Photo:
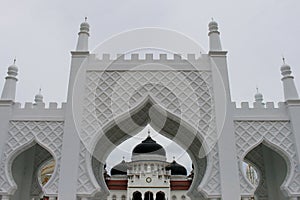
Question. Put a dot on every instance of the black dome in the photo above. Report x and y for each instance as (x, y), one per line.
(119, 169)
(149, 146)
(176, 169)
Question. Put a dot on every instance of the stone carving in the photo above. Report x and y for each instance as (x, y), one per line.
(278, 134)
(23, 134)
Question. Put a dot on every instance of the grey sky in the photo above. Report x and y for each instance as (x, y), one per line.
(256, 34)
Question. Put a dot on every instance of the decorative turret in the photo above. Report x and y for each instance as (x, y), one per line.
(9, 89)
(258, 99)
(214, 37)
(83, 37)
(289, 88)
(39, 97)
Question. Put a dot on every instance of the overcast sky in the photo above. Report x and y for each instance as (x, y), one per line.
(41, 34)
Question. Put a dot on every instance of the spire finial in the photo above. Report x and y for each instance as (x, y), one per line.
(148, 132)
(256, 89)
(85, 19)
(40, 91)
(173, 158)
(15, 59)
(283, 59)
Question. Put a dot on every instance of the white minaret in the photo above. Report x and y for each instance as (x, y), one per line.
(9, 89)
(258, 100)
(83, 37)
(289, 88)
(214, 37)
(38, 97)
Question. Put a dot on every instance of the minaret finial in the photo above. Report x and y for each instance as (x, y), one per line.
(256, 89)
(83, 36)
(40, 91)
(15, 59)
(283, 59)
(9, 89)
(149, 132)
(174, 158)
(289, 87)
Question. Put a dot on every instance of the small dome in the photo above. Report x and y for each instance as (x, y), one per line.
(149, 146)
(120, 169)
(84, 26)
(13, 67)
(213, 23)
(285, 67)
(176, 169)
(213, 26)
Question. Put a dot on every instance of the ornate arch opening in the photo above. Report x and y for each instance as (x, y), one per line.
(160, 196)
(269, 161)
(25, 169)
(162, 122)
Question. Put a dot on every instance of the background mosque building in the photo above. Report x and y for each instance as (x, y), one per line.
(237, 152)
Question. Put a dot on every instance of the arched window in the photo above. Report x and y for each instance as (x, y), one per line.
(123, 197)
(160, 196)
(137, 195)
(114, 197)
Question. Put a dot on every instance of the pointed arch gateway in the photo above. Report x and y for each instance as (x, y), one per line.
(164, 122)
(269, 161)
(25, 165)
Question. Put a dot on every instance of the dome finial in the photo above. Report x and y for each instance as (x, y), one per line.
(85, 19)
(123, 158)
(15, 59)
(283, 59)
(173, 158)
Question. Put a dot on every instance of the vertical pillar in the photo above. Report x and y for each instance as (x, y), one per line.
(71, 141)
(229, 170)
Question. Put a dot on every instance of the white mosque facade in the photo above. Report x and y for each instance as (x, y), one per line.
(59, 152)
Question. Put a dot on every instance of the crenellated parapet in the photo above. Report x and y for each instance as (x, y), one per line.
(149, 62)
(38, 111)
(256, 111)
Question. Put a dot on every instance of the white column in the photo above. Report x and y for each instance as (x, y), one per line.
(229, 170)
(71, 141)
